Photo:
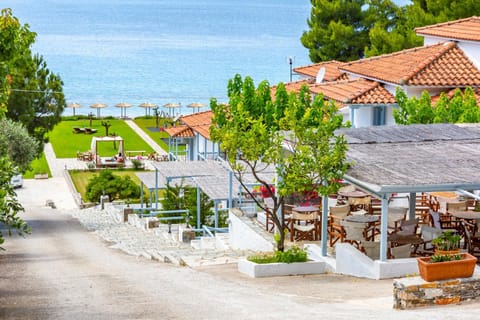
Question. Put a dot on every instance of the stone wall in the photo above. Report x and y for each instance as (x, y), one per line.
(414, 292)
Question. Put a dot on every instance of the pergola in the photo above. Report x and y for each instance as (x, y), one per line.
(411, 159)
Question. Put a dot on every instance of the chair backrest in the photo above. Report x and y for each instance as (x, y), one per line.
(372, 249)
(456, 206)
(401, 251)
(396, 214)
(269, 203)
(347, 188)
(428, 234)
(340, 211)
(435, 215)
(353, 230)
(296, 216)
(409, 227)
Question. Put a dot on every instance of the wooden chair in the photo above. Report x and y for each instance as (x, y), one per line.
(408, 227)
(355, 233)
(395, 216)
(335, 229)
(456, 206)
(304, 226)
(472, 238)
(371, 249)
(399, 252)
(268, 206)
(428, 234)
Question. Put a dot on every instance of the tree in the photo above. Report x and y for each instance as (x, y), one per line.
(352, 29)
(32, 94)
(107, 125)
(183, 197)
(38, 100)
(115, 187)
(9, 205)
(461, 108)
(252, 130)
(16, 144)
(336, 30)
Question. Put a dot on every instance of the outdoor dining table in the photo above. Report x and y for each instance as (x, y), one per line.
(367, 218)
(353, 194)
(305, 209)
(467, 215)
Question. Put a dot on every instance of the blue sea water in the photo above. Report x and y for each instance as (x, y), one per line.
(163, 51)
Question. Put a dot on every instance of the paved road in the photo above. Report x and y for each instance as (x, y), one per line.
(62, 271)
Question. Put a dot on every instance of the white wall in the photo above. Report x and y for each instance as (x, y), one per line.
(242, 237)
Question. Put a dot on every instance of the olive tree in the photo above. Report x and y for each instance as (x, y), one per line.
(293, 132)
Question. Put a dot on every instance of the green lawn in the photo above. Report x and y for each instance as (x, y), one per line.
(145, 123)
(66, 144)
(39, 165)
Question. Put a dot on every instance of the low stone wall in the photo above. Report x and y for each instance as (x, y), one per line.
(414, 292)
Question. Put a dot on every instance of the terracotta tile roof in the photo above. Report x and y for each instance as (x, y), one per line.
(291, 86)
(332, 73)
(452, 92)
(358, 91)
(199, 122)
(442, 64)
(180, 131)
(463, 29)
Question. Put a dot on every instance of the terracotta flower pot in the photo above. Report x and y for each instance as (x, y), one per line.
(447, 252)
(433, 271)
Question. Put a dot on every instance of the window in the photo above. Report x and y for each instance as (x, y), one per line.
(378, 116)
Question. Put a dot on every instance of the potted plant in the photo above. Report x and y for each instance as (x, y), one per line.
(446, 266)
(447, 243)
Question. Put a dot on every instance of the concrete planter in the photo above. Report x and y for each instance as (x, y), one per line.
(41, 176)
(256, 270)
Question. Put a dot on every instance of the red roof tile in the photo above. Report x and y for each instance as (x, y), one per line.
(332, 73)
(180, 131)
(199, 122)
(358, 91)
(442, 64)
(463, 29)
(291, 86)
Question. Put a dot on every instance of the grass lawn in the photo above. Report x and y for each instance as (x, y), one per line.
(81, 178)
(150, 122)
(66, 143)
(39, 165)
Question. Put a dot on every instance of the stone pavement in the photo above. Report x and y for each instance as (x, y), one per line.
(156, 244)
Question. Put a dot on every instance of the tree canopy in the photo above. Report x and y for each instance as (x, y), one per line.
(35, 96)
(348, 30)
(253, 129)
(460, 108)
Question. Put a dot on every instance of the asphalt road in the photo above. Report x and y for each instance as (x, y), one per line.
(62, 271)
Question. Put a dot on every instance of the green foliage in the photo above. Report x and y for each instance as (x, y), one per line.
(15, 143)
(174, 200)
(447, 241)
(112, 185)
(137, 164)
(294, 254)
(445, 257)
(461, 108)
(353, 29)
(9, 205)
(252, 129)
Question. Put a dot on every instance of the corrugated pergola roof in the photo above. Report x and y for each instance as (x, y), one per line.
(415, 158)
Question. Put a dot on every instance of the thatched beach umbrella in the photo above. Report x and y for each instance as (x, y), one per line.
(98, 106)
(197, 105)
(74, 106)
(123, 108)
(148, 106)
(172, 105)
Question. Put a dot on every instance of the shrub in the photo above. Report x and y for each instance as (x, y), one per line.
(137, 164)
(294, 254)
(114, 186)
